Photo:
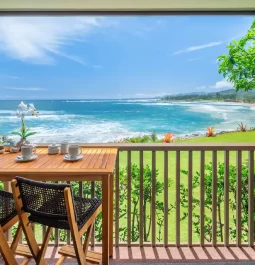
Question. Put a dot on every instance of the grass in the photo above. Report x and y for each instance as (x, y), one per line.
(235, 137)
(238, 137)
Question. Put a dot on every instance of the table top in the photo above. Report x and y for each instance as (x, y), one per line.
(96, 161)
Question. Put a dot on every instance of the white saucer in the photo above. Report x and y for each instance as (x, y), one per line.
(22, 159)
(68, 158)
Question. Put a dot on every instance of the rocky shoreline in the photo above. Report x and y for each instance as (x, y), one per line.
(198, 135)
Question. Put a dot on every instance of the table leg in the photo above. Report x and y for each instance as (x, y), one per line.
(105, 219)
(111, 217)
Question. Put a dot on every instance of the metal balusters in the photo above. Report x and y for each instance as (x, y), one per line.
(226, 198)
(202, 197)
(68, 232)
(129, 200)
(165, 198)
(178, 212)
(190, 199)
(93, 229)
(117, 196)
(153, 200)
(238, 196)
(56, 234)
(214, 198)
(80, 189)
(251, 199)
(141, 221)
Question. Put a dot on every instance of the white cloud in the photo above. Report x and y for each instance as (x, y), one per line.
(26, 88)
(199, 47)
(222, 84)
(37, 39)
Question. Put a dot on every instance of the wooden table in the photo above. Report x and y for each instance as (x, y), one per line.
(97, 165)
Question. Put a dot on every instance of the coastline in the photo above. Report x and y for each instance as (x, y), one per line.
(199, 135)
(210, 101)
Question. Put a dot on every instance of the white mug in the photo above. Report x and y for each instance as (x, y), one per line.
(73, 150)
(27, 151)
(64, 148)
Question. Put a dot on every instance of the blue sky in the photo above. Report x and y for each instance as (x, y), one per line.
(113, 57)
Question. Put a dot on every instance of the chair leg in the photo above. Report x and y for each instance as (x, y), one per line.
(61, 260)
(26, 261)
(6, 252)
(81, 258)
(16, 238)
(40, 260)
(26, 225)
(87, 239)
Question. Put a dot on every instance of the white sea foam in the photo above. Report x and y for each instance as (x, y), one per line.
(6, 112)
(88, 132)
(87, 101)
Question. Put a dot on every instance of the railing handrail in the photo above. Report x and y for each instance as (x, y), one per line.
(171, 146)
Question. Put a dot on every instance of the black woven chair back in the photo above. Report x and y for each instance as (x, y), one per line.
(7, 207)
(43, 199)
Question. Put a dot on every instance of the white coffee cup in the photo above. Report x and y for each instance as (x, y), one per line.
(64, 148)
(74, 150)
(27, 151)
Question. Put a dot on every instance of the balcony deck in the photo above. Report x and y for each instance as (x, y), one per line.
(161, 255)
(172, 231)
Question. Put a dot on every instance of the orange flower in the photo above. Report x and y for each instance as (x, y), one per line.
(168, 138)
(210, 131)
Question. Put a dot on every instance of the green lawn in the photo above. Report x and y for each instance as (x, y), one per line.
(238, 137)
(225, 138)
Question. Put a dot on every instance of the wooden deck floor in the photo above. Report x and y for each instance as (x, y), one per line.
(169, 255)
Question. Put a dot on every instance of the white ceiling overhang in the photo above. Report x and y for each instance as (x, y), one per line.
(128, 5)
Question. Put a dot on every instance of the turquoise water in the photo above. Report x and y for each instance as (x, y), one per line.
(95, 121)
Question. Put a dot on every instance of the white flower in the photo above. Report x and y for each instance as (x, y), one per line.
(24, 110)
(22, 106)
(32, 107)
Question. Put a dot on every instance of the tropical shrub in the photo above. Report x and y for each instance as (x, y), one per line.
(135, 202)
(220, 200)
(168, 138)
(242, 127)
(140, 139)
(5, 139)
(154, 137)
(210, 131)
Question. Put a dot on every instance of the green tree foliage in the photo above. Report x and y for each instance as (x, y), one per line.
(238, 66)
(220, 201)
(209, 96)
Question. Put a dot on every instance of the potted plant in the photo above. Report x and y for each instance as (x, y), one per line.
(24, 131)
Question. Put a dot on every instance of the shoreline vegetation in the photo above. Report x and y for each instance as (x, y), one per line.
(153, 138)
(226, 96)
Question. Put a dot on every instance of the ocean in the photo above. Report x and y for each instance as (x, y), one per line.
(101, 121)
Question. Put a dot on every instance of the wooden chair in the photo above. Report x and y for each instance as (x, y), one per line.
(8, 217)
(54, 205)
